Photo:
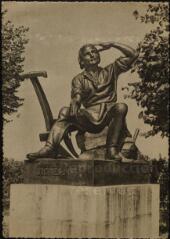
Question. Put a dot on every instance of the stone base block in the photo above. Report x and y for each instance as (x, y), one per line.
(62, 211)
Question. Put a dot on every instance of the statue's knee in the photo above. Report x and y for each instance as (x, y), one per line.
(63, 113)
(121, 108)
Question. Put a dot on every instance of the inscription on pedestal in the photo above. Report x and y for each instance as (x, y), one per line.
(85, 172)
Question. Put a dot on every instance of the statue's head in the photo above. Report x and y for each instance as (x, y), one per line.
(88, 56)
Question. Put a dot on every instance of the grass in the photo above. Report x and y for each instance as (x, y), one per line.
(5, 223)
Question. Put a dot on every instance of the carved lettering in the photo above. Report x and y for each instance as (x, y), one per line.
(51, 171)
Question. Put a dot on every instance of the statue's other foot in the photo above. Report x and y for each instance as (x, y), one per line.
(113, 154)
(45, 152)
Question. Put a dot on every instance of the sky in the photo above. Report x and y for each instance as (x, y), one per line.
(56, 32)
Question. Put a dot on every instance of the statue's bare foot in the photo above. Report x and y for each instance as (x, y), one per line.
(45, 152)
(113, 154)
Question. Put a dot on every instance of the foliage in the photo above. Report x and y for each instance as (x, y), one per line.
(152, 66)
(164, 197)
(160, 175)
(13, 47)
(12, 173)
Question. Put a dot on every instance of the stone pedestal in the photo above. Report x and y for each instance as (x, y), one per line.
(86, 172)
(65, 211)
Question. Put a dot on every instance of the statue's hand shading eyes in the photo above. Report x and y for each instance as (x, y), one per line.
(104, 46)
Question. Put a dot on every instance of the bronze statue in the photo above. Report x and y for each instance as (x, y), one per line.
(93, 102)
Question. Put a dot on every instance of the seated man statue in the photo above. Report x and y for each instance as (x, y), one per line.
(93, 101)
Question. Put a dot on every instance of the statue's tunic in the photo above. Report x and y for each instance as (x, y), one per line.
(102, 89)
(99, 93)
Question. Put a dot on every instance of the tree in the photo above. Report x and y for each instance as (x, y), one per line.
(160, 174)
(13, 172)
(13, 47)
(152, 66)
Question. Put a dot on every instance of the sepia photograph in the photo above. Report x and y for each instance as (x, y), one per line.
(85, 112)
